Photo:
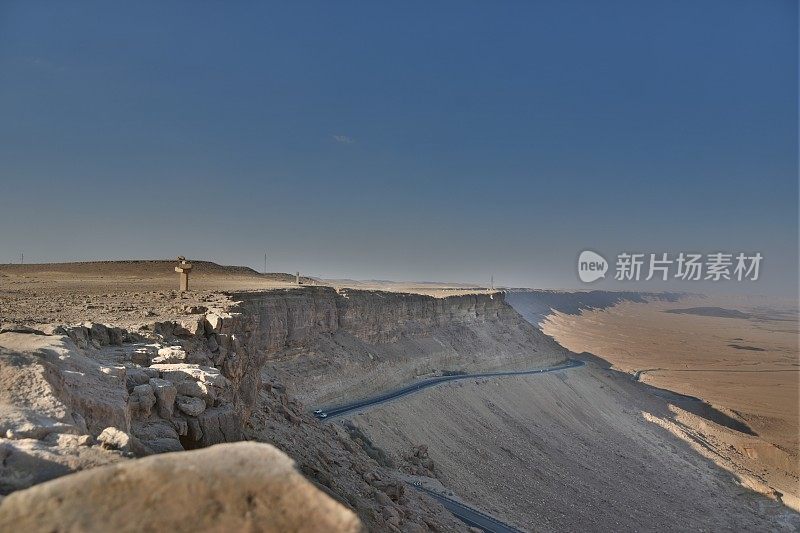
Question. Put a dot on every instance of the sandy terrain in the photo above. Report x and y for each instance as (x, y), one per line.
(569, 452)
(744, 362)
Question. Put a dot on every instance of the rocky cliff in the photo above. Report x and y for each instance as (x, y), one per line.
(193, 382)
(248, 365)
(327, 345)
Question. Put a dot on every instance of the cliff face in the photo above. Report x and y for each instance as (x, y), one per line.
(292, 318)
(328, 345)
(195, 381)
(248, 365)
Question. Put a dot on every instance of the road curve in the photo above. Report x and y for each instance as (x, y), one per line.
(344, 409)
(470, 516)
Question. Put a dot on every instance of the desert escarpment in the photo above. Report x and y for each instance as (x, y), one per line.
(329, 345)
(241, 365)
(193, 381)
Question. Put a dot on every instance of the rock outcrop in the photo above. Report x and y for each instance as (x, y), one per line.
(231, 487)
(92, 394)
(53, 402)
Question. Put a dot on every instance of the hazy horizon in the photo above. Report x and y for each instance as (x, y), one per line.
(365, 141)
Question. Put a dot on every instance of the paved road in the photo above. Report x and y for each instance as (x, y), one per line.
(470, 516)
(342, 410)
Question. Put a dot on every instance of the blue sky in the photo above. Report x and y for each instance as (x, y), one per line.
(422, 140)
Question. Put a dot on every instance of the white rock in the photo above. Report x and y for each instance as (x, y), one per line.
(170, 354)
(179, 372)
(112, 438)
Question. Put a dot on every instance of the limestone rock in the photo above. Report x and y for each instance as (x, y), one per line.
(142, 400)
(180, 372)
(113, 439)
(165, 393)
(142, 356)
(197, 389)
(170, 354)
(26, 462)
(99, 333)
(135, 377)
(214, 321)
(45, 381)
(158, 435)
(233, 487)
(194, 327)
(191, 406)
(218, 425)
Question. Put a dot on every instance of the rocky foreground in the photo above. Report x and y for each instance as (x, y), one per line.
(232, 487)
(112, 398)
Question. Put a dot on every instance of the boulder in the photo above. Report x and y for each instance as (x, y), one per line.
(197, 389)
(28, 462)
(195, 432)
(158, 435)
(99, 333)
(190, 405)
(170, 354)
(194, 326)
(134, 377)
(114, 439)
(117, 336)
(218, 425)
(212, 344)
(79, 335)
(165, 393)
(47, 375)
(180, 372)
(142, 400)
(142, 356)
(181, 426)
(234, 487)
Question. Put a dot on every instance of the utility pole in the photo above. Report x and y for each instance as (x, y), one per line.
(265, 262)
(22, 258)
(492, 281)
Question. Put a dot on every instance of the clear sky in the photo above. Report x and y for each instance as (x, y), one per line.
(400, 140)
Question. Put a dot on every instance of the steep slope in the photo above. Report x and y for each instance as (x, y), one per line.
(240, 368)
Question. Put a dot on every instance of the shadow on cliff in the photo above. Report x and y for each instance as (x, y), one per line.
(692, 404)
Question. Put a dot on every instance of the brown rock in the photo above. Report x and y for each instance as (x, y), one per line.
(232, 487)
(165, 393)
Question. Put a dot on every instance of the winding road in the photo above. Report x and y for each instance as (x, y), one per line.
(468, 515)
(345, 409)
